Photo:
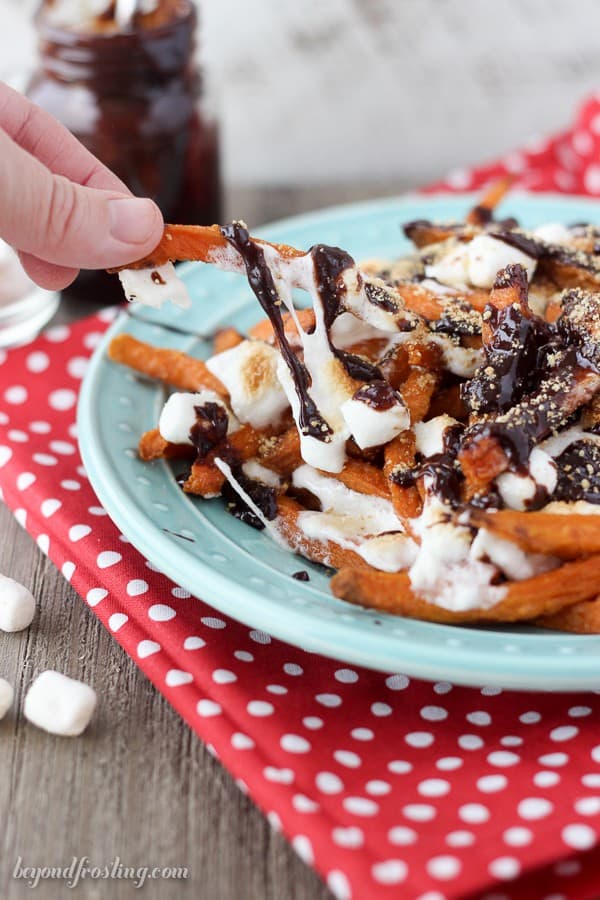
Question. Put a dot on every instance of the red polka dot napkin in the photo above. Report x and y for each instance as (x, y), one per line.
(390, 787)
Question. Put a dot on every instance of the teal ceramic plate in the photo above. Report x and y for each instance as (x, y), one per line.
(239, 570)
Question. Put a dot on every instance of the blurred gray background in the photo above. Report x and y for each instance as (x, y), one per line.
(378, 90)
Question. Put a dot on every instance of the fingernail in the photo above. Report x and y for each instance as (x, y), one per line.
(132, 221)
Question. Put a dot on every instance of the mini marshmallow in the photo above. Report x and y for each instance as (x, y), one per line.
(430, 435)
(179, 415)
(249, 372)
(487, 256)
(553, 233)
(6, 696)
(372, 427)
(59, 704)
(154, 286)
(17, 605)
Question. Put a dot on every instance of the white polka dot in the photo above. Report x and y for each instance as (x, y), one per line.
(92, 339)
(434, 713)
(279, 776)
(587, 806)
(303, 848)
(397, 682)
(240, 741)
(362, 734)
(177, 677)
(419, 812)
(293, 743)
(347, 758)
(293, 669)
(17, 436)
(491, 691)
(583, 142)
(16, 395)
(505, 868)
(57, 334)
(43, 542)
(77, 366)
(530, 718)
(553, 759)
(377, 788)
(303, 804)
(442, 687)
(473, 813)
(25, 479)
(546, 779)
(37, 362)
(63, 448)
(44, 459)
(391, 871)
(329, 783)
(479, 718)
(159, 612)
(21, 516)
(313, 723)
(208, 708)
(489, 784)
(116, 621)
(5, 455)
(460, 179)
(351, 837)
(449, 763)
(40, 427)
(460, 838)
(591, 780)
(433, 787)
(360, 806)
(62, 399)
(329, 700)
(517, 836)
(260, 637)
(244, 656)
(399, 766)
(95, 595)
(564, 733)
(224, 676)
(69, 485)
(260, 708)
(419, 739)
(107, 558)
(579, 837)
(338, 885)
(346, 676)
(193, 642)
(180, 593)
(444, 868)
(277, 689)
(147, 648)
(402, 836)
(567, 868)
(533, 808)
(470, 742)
(577, 712)
(212, 622)
(503, 758)
(591, 179)
(136, 587)
(381, 709)
(49, 507)
(68, 570)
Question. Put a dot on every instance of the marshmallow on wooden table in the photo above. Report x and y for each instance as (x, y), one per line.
(59, 704)
(6, 697)
(17, 605)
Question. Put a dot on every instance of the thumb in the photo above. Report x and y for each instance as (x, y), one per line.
(61, 222)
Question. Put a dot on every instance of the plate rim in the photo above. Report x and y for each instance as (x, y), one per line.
(290, 625)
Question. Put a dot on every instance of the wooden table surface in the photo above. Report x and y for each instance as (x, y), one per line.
(138, 784)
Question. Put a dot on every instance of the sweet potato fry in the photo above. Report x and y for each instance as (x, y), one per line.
(364, 478)
(204, 243)
(326, 552)
(399, 456)
(152, 445)
(544, 594)
(481, 461)
(263, 330)
(448, 401)
(205, 479)
(417, 391)
(423, 233)
(171, 366)
(567, 537)
(226, 339)
(581, 618)
(482, 214)
(281, 454)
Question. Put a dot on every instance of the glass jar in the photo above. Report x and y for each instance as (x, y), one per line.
(135, 98)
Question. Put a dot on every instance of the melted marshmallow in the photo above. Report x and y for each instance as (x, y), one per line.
(477, 262)
(518, 490)
(553, 233)
(429, 436)
(372, 427)
(179, 415)
(153, 287)
(249, 372)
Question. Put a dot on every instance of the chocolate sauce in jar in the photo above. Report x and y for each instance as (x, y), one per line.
(135, 98)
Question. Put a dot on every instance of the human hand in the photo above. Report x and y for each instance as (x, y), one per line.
(59, 206)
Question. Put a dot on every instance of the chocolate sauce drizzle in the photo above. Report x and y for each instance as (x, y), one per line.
(209, 429)
(262, 495)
